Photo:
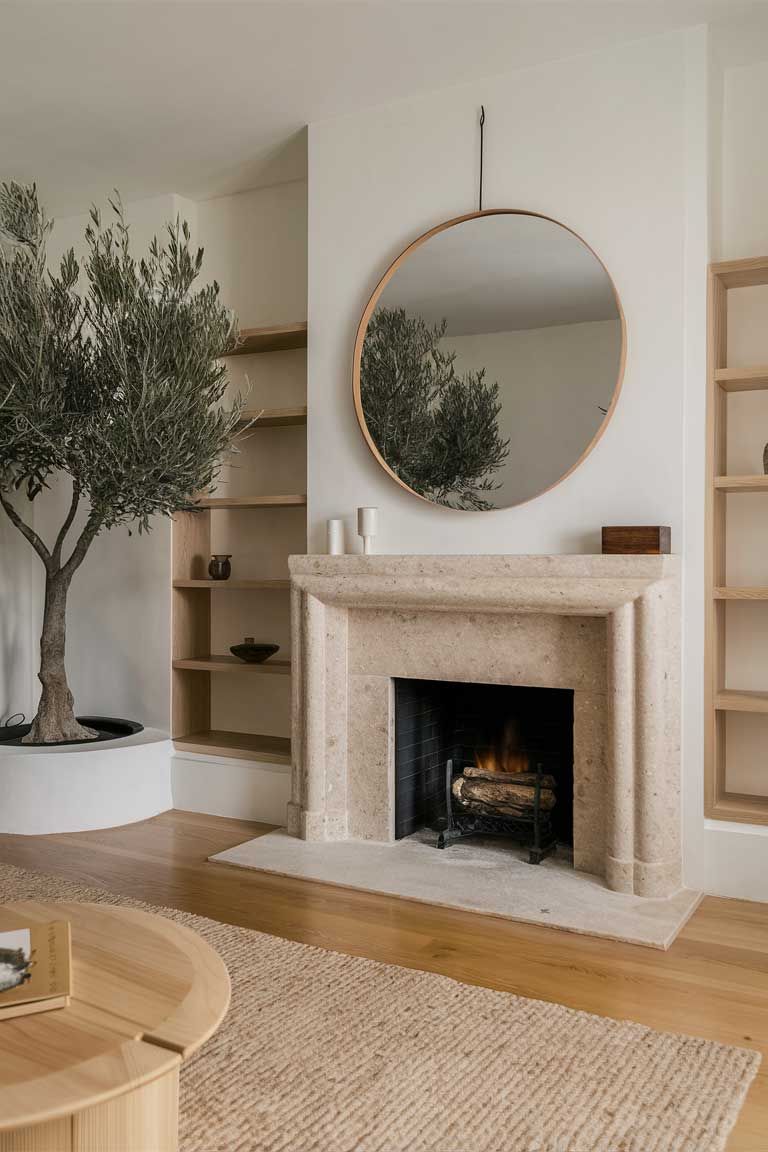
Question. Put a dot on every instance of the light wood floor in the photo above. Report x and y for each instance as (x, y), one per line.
(713, 982)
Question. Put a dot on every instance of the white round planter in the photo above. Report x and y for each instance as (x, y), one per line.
(78, 787)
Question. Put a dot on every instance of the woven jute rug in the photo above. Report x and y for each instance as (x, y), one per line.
(322, 1052)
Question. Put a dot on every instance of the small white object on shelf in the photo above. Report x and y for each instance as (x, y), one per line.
(367, 522)
(335, 537)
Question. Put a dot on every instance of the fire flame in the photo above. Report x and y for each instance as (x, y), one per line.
(505, 755)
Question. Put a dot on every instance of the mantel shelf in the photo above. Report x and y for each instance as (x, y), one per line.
(224, 663)
(742, 379)
(741, 483)
(275, 338)
(730, 700)
(274, 417)
(293, 501)
(234, 585)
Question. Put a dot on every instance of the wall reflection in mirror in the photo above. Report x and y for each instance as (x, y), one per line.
(490, 360)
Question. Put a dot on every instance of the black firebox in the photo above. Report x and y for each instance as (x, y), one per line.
(442, 727)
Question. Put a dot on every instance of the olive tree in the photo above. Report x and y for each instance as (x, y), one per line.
(108, 375)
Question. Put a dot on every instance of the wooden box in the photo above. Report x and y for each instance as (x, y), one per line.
(638, 540)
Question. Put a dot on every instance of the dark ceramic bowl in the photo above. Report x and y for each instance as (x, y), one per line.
(253, 653)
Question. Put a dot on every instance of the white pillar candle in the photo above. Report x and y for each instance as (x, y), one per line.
(335, 537)
(366, 527)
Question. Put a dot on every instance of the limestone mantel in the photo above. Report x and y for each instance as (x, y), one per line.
(606, 626)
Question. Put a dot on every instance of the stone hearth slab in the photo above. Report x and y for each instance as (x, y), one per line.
(477, 877)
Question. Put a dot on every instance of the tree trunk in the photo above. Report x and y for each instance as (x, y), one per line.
(55, 720)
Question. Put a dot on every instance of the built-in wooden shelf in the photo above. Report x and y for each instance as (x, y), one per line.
(293, 501)
(742, 379)
(733, 700)
(750, 273)
(234, 585)
(197, 698)
(274, 417)
(741, 483)
(719, 702)
(740, 808)
(276, 338)
(239, 745)
(223, 663)
(741, 593)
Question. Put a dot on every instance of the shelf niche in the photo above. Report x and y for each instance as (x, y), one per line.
(721, 702)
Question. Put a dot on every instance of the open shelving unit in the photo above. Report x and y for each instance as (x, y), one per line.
(720, 801)
(201, 671)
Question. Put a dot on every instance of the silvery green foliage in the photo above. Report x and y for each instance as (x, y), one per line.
(108, 367)
(437, 431)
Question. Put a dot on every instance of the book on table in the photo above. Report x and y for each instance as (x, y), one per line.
(35, 968)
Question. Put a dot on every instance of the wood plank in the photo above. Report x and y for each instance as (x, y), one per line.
(251, 501)
(240, 745)
(274, 338)
(224, 663)
(742, 483)
(742, 379)
(741, 809)
(748, 273)
(711, 982)
(732, 700)
(274, 417)
(234, 585)
(727, 593)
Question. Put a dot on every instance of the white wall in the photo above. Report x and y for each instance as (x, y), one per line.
(552, 383)
(599, 148)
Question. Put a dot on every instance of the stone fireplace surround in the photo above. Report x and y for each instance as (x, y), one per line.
(607, 627)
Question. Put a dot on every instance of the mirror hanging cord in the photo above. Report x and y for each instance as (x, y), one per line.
(482, 124)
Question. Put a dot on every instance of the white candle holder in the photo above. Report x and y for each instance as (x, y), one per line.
(367, 523)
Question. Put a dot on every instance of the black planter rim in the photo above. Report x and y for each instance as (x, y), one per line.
(108, 727)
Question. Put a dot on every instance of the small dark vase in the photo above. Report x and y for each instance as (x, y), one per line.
(220, 567)
(253, 653)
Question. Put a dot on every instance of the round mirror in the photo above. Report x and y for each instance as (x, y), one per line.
(488, 360)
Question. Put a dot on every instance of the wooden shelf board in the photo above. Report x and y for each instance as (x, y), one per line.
(274, 417)
(234, 585)
(741, 593)
(223, 663)
(741, 483)
(293, 501)
(742, 379)
(740, 809)
(240, 745)
(747, 273)
(732, 700)
(275, 338)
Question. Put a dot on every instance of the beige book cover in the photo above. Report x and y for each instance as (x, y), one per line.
(35, 968)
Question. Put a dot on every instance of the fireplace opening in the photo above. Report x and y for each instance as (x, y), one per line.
(484, 759)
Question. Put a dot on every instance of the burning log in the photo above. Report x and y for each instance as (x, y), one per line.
(528, 778)
(502, 795)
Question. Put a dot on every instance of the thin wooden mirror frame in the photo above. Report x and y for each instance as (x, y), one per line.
(362, 328)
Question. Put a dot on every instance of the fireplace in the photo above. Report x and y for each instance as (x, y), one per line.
(484, 760)
(604, 630)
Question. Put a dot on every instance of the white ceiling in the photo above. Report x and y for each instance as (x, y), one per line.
(204, 97)
(502, 273)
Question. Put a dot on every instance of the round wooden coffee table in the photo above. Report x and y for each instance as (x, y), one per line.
(102, 1075)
